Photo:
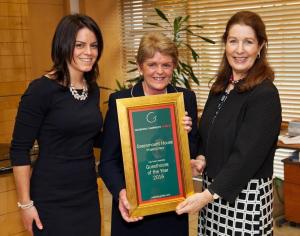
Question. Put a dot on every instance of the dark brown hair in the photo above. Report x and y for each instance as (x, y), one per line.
(260, 70)
(63, 44)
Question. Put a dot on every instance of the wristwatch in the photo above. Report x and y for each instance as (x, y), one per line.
(215, 196)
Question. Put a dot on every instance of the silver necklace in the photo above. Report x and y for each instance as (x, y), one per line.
(78, 96)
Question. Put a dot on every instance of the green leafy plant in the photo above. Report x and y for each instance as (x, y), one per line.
(179, 28)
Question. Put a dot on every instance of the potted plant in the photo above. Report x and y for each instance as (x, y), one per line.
(179, 29)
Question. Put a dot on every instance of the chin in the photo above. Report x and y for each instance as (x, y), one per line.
(86, 69)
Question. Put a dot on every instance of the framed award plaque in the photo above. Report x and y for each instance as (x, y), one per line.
(155, 152)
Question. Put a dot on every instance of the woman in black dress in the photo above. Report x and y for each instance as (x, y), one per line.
(157, 58)
(239, 128)
(61, 111)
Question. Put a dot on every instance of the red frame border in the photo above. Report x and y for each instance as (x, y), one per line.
(175, 145)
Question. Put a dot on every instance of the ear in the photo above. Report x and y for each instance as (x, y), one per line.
(261, 46)
(140, 68)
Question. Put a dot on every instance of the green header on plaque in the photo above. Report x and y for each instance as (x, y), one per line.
(155, 153)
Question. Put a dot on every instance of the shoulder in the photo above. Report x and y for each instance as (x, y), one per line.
(42, 87)
(43, 84)
(120, 94)
(264, 97)
(266, 89)
(186, 92)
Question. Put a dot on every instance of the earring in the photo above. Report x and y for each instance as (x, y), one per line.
(258, 55)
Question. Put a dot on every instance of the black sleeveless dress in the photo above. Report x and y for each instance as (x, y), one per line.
(64, 181)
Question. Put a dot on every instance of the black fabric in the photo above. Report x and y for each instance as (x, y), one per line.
(111, 170)
(240, 144)
(64, 182)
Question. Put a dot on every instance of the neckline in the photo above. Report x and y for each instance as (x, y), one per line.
(234, 82)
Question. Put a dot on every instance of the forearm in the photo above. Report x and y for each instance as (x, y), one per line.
(22, 181)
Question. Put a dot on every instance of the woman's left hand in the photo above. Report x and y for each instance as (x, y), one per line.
(194, 203)
(187, 122)
(124, 207)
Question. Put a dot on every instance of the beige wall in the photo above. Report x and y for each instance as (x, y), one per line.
(26, 29)
(44, 15)
(14, 61)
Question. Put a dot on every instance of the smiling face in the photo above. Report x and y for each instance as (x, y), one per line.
(157, 72)
(85, 52)
(241, 49)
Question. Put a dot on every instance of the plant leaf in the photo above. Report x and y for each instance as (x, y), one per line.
(161, 15)
(199, 36)
(189, 71)
(154, 24)
(118, 84)
(132, 70)
(194, 53)
(186, 18)
(186, 83)
(132, 62)
(206, 39)
(176, 24)
(198, 26)
(194, 77)
(133, 80)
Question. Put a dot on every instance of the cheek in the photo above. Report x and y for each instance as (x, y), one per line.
(96, 53)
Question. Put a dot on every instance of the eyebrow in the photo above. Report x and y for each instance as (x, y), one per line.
(78, 41)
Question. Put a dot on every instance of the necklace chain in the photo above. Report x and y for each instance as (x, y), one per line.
(234, 82)
(83, 96)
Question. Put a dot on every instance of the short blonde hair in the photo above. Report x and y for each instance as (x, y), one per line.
(156, 42)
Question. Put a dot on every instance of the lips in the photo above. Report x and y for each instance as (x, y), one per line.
(87, 60)
(240, 59)
(158, 78)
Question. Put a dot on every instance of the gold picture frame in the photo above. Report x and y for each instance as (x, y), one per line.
(155, 152)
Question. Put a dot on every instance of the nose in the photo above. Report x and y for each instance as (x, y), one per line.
(240, 47)
(88, 50)
(159, 69)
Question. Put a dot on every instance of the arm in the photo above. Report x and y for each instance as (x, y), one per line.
(256, 138)
(201, 143)
(191, 109)
(198, 162)
(111, 163)
(254, 144)
(32, 108)
(198, 165)
(98, 139)
(22, 179)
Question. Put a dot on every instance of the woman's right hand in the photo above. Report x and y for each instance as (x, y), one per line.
(28, 216)
(124, 207)
(194, 203)
(198, 164)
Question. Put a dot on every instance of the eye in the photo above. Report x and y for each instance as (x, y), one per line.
(249, 41)
(232, 41)
(151, 65)
(167, 65)
(95, 45)
(79, 45)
